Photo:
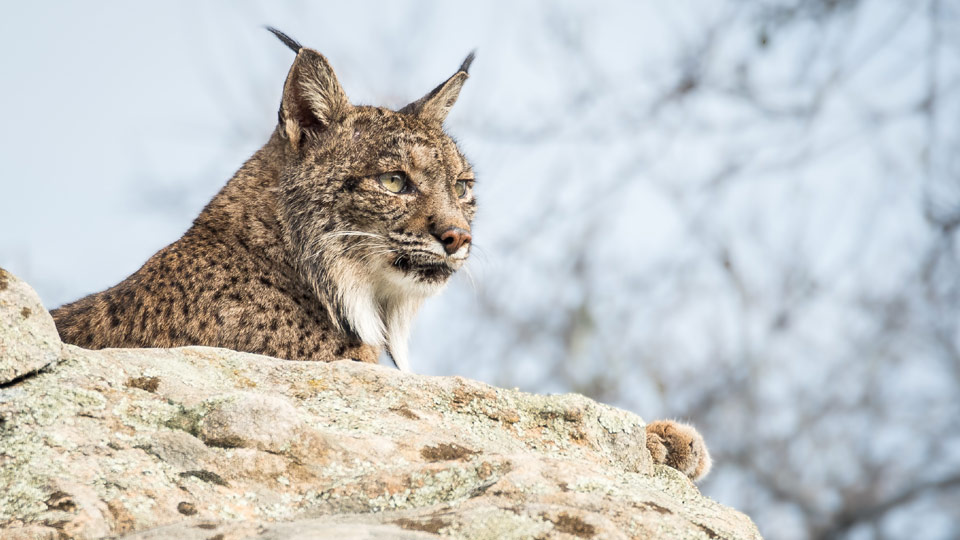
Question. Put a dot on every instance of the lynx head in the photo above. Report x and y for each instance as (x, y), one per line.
(376, 204)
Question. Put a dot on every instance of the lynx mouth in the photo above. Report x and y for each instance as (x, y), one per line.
(433, 270)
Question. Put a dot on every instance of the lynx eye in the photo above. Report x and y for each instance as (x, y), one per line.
(461, 187)
(394, 182)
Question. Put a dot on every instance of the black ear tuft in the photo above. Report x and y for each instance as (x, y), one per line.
(465, 66)
(435, 105)
(289, 41)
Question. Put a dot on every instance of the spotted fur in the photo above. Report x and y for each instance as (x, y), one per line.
(304, 254)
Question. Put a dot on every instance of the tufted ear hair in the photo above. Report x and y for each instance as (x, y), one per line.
(312, 97)
(436, 105)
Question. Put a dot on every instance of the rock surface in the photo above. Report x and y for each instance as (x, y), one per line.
(28, 337)
(214, 444)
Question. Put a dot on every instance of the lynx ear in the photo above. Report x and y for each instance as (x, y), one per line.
(437, 104)
(312, 96)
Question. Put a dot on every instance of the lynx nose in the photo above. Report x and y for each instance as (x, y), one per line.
(453, 239)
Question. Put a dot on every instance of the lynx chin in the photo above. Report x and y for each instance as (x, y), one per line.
(321, 247)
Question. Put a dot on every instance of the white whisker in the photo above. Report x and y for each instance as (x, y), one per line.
(374, 253)
(352, 233)
(473, 284)
(480, 251)
(329, 237)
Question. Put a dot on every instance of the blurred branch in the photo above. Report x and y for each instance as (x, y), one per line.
(870, 511)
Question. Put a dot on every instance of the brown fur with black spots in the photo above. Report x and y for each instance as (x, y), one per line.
(321, 247)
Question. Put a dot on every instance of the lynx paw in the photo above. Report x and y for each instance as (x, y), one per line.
(679, 446)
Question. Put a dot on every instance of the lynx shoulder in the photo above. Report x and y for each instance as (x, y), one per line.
(322, 246)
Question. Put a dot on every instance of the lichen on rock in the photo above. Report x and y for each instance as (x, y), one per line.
(28, 337)
(199, 442)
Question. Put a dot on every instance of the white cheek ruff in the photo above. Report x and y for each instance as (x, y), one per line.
(362, 311)
(380, 306)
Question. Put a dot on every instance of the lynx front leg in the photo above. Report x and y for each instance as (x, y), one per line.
(679, 446)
